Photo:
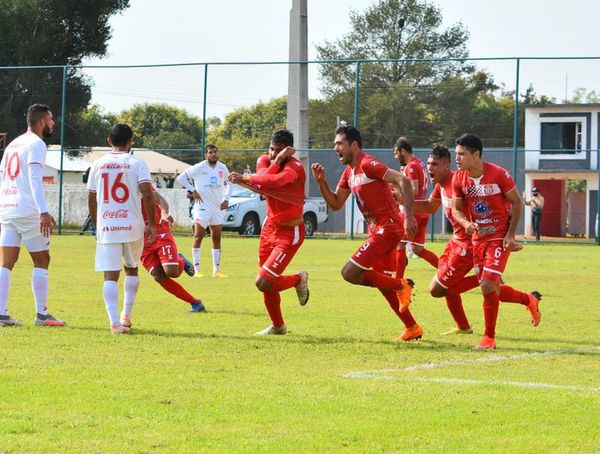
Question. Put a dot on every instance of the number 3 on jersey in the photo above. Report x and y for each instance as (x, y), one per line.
(118, 191)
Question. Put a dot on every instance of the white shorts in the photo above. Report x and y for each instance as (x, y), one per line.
(27, 230)
(207, 216)
(109, 255)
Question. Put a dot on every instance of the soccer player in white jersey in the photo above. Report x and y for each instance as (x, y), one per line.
(116, 182)
(207, 181)
(24, 215)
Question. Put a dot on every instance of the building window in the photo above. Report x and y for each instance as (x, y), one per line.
(561, 138)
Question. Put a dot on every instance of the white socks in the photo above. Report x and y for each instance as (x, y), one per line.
(39, 286)
(111, 301)
(131, 285)
(4, 289)
(196, 259)
(216, 256)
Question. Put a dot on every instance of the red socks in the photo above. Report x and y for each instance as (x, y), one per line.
(381, 281)
(490, 312)
(177, 290)
(392, 299)
(284, 282)
(401, 262)
(454, 303)
(429, 257)
(511, 295)
(272, 302)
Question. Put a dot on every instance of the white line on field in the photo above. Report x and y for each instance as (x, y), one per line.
(380, 373)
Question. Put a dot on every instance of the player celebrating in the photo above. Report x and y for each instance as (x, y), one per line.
(161, 259)
(209, 182)
(369, 180)
(415, 170)
(24, 215)
(283, 231)
(117, 181)
(457, 259)
(482, 194)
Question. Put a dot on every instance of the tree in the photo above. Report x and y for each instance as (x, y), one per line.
(89, 128)
(42, 32)
(395, 29)
(581, 95)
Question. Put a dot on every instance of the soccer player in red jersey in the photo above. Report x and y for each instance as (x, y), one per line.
(162, 260)
(369, 180)
(457, 259)
(282, 234)
(488, 206)
(415, 170)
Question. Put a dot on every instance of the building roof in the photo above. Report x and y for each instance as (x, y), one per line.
(157, 162)
(593, 105)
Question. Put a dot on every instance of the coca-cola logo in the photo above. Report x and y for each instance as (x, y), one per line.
(116, 214)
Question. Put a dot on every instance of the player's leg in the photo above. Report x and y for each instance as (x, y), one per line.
(131, 283)
(531, 301)
(10, 246)
(199, 232)
(401, 259)
(108, 261)
(215, 234)
(418, 243)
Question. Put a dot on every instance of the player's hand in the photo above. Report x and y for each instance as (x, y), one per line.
(151, 234)
(397, 193)
(165, 216)
(318, 172)
(196, 196)
(225, 204)
(284, 155)
(410, 226)
(511, 245)
(471, 228)
(236, 178)
(47, 222)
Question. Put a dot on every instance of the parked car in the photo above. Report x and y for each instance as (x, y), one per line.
(247, 211)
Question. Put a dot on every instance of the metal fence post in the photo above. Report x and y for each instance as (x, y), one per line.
(63, 116)
(516, 121)
(203, 142)
(355, 121)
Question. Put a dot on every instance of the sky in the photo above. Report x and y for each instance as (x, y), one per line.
(186, 31)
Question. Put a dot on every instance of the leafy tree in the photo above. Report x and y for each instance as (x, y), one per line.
(581, 95)
(42, 32)
(89, 127)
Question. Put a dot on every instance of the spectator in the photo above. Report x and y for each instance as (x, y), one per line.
(536, 202)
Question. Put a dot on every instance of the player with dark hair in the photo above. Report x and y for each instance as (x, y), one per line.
(369, 180)
(487, 205)
(415, 170)
(282, 234)
(24, 214)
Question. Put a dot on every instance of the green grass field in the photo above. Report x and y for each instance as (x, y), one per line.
(337, 382)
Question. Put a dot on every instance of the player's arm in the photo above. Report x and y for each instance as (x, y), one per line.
(93, 206)
(35, 163)
(164, 208)
(335, 200)
(185, 179)
(459, 216)
(405, 185)
(228, 191)
(271, 180)
(148, 202)
(515, 216)
(427, 206)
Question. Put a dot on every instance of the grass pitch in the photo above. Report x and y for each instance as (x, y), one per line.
(337, 382)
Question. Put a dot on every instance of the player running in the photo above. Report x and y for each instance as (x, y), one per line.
(116, 183)
(368, 179)
(282, 183)
(24, 214)
(488, 206)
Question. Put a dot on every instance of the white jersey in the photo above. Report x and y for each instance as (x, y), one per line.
(210, 182)
(115, 178)
(16, 194)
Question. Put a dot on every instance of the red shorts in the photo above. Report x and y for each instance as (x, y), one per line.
(490, 259)
(422, 222)
(454, 264)
(162, 252)
(379, 251)
(277, 247)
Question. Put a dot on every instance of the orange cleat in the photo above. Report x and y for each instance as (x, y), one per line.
(119, 329)
(534, 307)
(405, 294)
(47, 320)
(413, 333)
(487, 343)
(126, 320)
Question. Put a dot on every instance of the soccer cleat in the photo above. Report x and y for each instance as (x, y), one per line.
(405, 294)
(534, 307)
(487, 343)
(188, 266)
(119, 329)
(197, 307)
(48, 320)
(7, 320)
(457, 330)
(198, 274)
(272, 330)
(413, 333)
(302, 288)
(126, 320)
(218, 274)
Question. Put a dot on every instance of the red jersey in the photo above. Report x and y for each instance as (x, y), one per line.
(373, 195)
(444, 193)
(485, 202)
(416, 170)
(283, 186)
(161, 226)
